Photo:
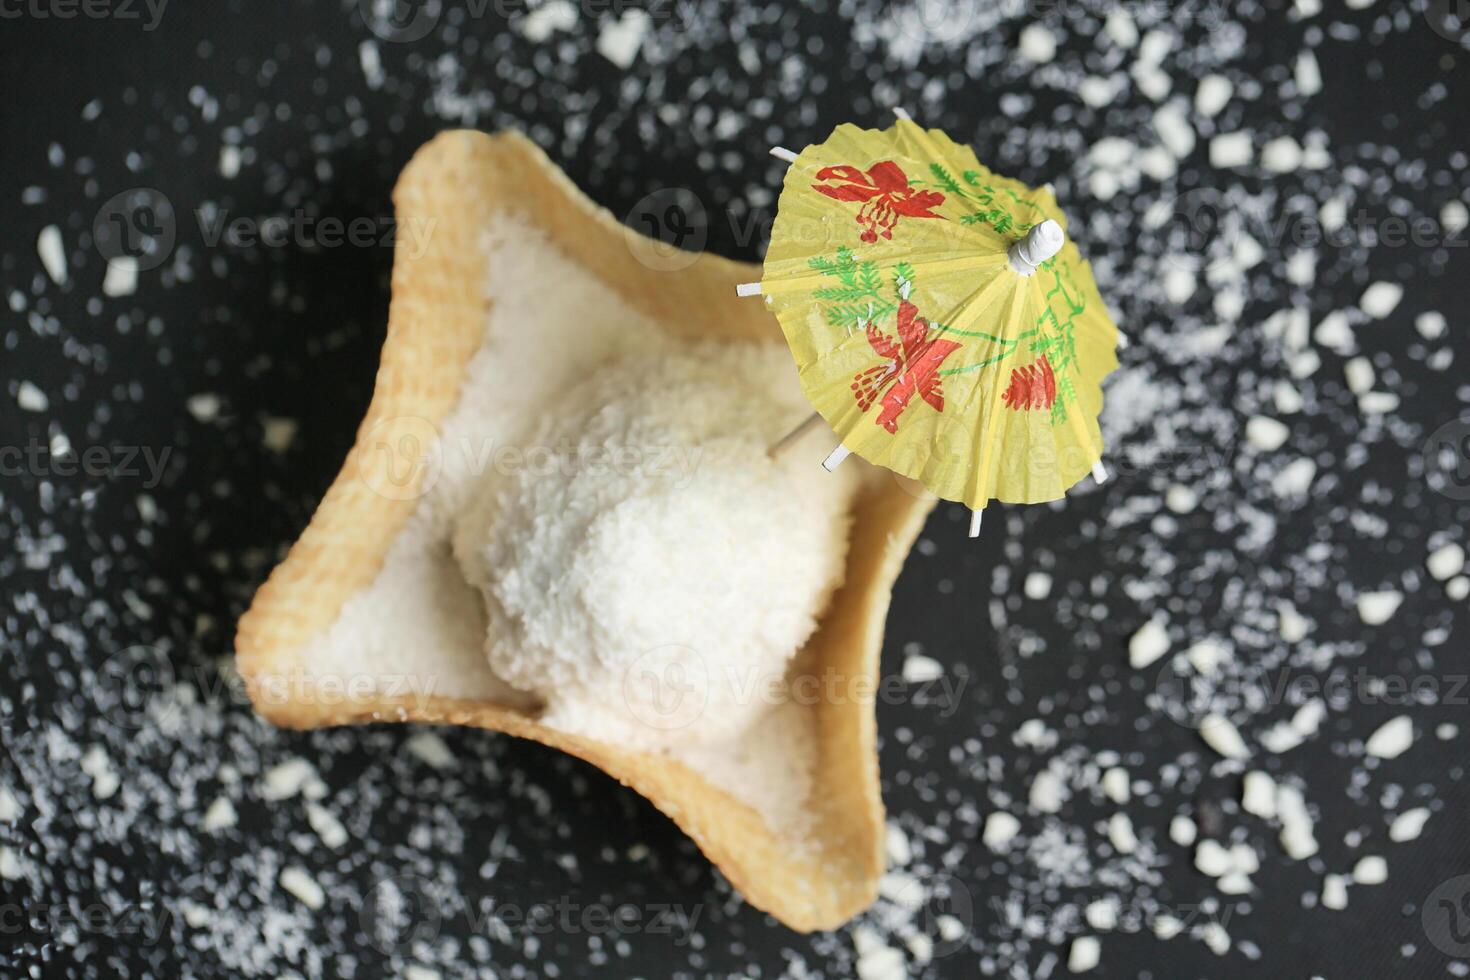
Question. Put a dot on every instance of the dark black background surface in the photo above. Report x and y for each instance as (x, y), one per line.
(294, 332)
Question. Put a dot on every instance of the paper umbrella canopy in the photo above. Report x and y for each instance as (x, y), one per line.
(941, 321)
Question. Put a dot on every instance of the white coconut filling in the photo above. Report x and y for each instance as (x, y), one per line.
(706, 563)
(651, 570)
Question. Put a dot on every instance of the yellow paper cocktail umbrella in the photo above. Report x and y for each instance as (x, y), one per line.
(941, 321)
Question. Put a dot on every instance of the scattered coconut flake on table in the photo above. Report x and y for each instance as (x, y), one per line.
(1038, 44)
(1370, 870)
(1000, 829)
(30, 398)
(539, 24)
(1431, 325)
(53, 254)
(121, 277)
(1446, 562)
(1266, 434)
(431, 749)
(1408, 825)
(1213, 92)
(1392, 739)
(302, 885)
(1334, 892)
(219, 816)
(326, 825)
(1259, 795)
(204, 407)
(1381, 299)
(1220, 735)
(1231, 150)
(622, 38)
(290, 778)
(277, 434)
(1377, 608)
(1298, 829)
(1085, 954)
(1147, 645)
(919, 669)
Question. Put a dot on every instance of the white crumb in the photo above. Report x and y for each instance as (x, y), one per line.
(1334, 892)
(53, 254)
(1265, 433)
(1084, 955)
(1258, 795)
(30, 398)
(1446, 562)
(1377, 608)
(1371, 869)
(326, 825)
(431, 749)
(121, 277)
(1222, 736)
(219, 816)
(1230, 150)
(1000, 829)
(1408, 825)
(1381, 299)
(1147, 645)
(1392, 739)
(620, 40)
(204, 407)
(920, 669)
(302, 885)
(1038, 43)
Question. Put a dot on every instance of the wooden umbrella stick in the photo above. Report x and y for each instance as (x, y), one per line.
(786, 441)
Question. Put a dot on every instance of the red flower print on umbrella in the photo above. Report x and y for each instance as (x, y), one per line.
(1032, 386)
(910, 367)
(885, 193)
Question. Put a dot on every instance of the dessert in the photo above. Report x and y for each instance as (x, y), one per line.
(379, 612)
